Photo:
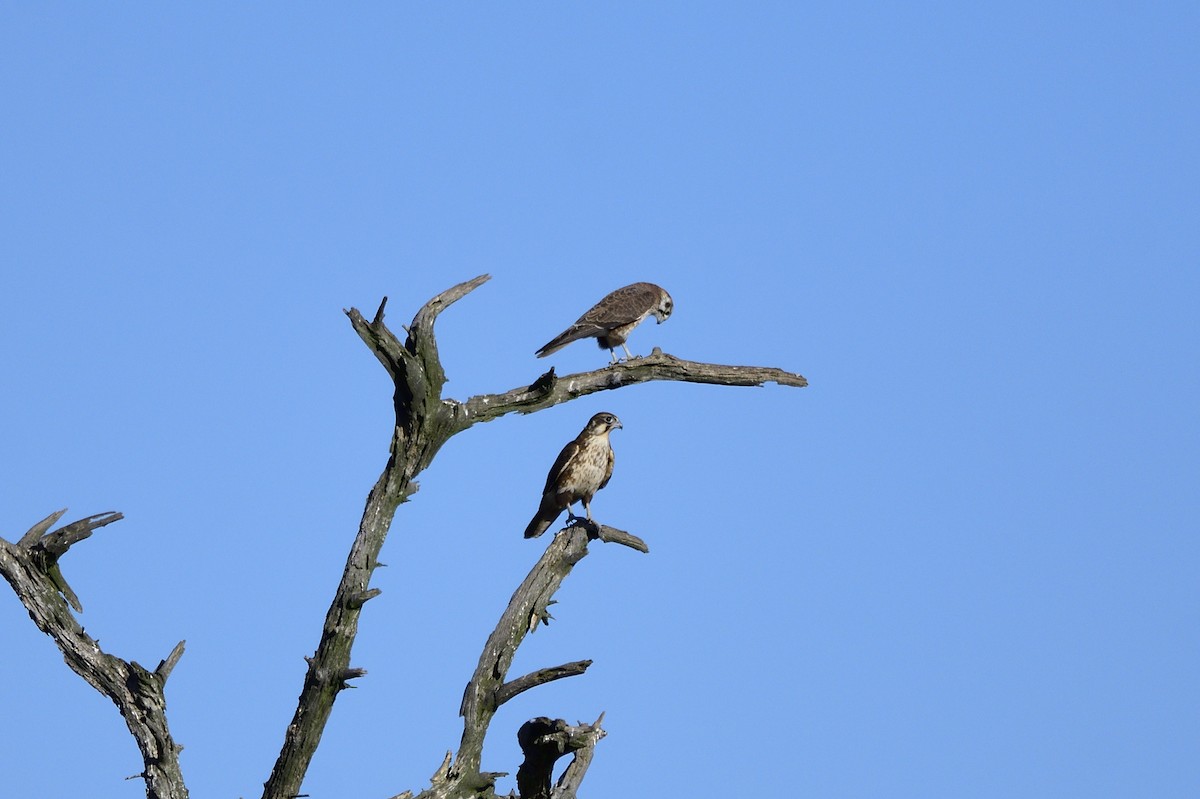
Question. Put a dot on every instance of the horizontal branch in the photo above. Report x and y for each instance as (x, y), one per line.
(611, 535)
(550, 389)
(540, 677)
(58, 542)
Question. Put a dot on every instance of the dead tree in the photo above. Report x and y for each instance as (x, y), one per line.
(425, 420)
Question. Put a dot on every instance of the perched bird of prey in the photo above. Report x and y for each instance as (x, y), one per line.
(583, 468)
(611, 320)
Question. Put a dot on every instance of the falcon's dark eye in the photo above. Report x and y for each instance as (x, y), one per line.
(608, 420)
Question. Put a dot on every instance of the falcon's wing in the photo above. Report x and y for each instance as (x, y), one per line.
(623, 306)
(560, 466)
(608, 470)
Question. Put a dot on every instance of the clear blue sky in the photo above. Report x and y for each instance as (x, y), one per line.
(962, 563)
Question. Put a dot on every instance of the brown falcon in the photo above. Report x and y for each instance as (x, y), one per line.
(611, 320)
(583, 468)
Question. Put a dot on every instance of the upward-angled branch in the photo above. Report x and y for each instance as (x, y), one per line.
(31, 568)
(425, 420)
(526, 608)
(417, 436)
(488, 689)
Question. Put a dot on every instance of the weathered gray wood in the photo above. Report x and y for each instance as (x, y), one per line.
(31, 568)
(485, 691)
(584, 747)
(35, 533)
(549, 389)
(540, 677)
(418, 434)
(543, 741)
(425, 420)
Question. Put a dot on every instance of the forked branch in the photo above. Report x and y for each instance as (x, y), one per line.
(425, 420)
(488, 690)
(544, 741)
(32, 569)
(418, 434)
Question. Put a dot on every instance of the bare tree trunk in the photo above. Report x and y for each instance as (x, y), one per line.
(425, 420)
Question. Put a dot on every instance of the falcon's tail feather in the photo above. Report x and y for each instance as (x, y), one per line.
(553, 346)
(539, 525)
(572, 333)
(542, 520)
(558, 342)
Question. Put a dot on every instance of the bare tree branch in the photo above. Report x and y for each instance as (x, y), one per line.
(36, 532)
(31, 568)
(62, 539)
(167, 665)
(581, 740)
(611, 535)
(549, 389)
(544, 741)
(425, 420)
(486, 689)
(540, 677)
(419, 433)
